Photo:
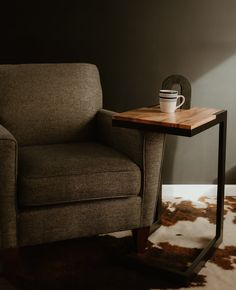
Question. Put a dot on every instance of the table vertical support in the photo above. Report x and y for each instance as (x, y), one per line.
(221, 178)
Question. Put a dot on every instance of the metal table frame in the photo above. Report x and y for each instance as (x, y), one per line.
(203, 256)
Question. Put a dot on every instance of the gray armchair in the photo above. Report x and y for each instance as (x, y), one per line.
(65, 172)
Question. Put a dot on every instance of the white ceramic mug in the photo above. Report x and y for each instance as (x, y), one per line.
(168, 100)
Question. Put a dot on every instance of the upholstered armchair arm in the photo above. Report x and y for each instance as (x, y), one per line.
(145, 149)
(127, 141)
(8, 172)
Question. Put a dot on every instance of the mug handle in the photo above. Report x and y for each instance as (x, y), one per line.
(182, 97)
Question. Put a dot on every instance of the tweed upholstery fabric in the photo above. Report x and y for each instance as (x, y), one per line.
(69, 185)
(60, 173)
(49, 103)
(153, 151)
(47, 224)
(144, 148)
(8, 168)
(127, 141)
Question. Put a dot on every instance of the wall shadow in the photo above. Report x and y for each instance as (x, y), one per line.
(134, 45)
(230, 177)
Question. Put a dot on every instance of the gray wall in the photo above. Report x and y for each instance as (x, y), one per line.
(148, 41)
(200, 43)
(136, 44)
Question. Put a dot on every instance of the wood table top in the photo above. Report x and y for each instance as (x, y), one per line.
(182, 119)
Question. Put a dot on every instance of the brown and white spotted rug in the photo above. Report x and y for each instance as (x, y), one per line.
(101, 262)
(188, 225)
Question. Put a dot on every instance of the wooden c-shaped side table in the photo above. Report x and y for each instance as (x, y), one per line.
(185, 123)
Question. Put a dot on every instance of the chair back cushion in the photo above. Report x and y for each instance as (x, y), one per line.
(49, 103)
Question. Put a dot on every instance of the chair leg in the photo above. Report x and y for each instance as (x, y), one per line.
(140, 238)
(1, 263)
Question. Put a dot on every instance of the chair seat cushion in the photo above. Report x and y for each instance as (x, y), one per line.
(62, 173)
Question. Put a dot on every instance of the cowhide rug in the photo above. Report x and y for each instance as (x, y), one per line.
(101, 262)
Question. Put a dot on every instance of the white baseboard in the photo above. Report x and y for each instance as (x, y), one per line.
(196, 190)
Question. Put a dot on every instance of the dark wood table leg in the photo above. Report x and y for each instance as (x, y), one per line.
(1, 262)
(140, 238)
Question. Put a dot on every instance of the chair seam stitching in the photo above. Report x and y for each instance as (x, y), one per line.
(86, 174)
